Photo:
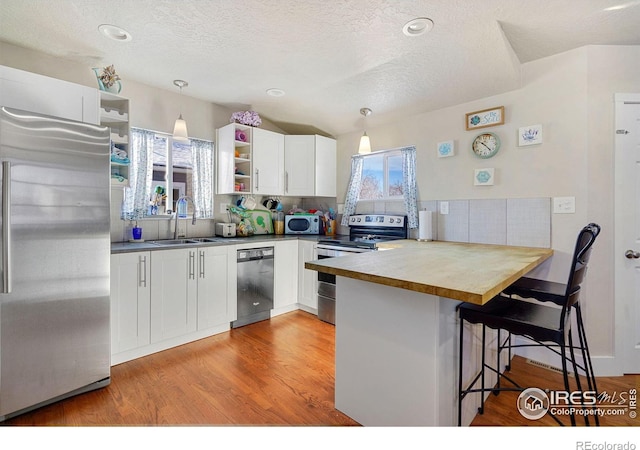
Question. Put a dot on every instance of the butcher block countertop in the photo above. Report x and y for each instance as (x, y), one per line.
(473, 273)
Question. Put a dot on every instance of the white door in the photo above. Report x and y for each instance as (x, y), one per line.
(627, 231)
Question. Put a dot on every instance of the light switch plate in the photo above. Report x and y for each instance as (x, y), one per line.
(564, 205)
(444, 207)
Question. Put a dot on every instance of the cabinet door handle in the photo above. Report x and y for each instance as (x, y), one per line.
(142, 271)
(201, 263)
(192, 260)
(257, 179)
(286, 182)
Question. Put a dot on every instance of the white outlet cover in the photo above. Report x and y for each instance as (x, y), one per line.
(444, 207)
(564, 205)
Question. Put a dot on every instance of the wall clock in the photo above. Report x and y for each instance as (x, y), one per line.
(486, 145)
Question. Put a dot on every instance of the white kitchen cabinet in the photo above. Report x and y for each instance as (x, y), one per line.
(130, 302)
(233, 159)
(285, 276)
(114, 113)
(173, 293)
(45, 95)
(307, 279)
(268, 162)
(310, 166)
(217, 286)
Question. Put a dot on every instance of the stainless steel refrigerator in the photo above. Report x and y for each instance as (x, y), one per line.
(55, 250)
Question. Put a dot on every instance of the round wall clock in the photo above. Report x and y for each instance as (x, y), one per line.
(486, 145)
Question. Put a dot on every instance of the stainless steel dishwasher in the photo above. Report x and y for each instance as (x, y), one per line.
(255, 285)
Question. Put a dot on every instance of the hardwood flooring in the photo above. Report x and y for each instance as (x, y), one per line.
(275, 372)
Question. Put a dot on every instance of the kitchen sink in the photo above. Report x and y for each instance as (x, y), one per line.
(175, 242)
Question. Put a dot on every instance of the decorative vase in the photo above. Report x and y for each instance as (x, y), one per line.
(115, 88)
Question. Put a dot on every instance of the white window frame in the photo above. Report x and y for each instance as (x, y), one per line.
(385, 154)
(168, 182)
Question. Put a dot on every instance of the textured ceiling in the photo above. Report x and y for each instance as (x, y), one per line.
(331, 57)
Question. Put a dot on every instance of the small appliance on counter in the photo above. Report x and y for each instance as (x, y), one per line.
(226, 229)
(301, 224)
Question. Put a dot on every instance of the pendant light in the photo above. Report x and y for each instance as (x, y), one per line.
(180, 128)
(365, 142)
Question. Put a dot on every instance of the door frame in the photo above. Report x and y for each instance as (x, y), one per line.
(625, 292)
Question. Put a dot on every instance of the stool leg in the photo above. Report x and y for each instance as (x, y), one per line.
(586, 357)
(565, 376)
(484, 333)
(460, 358)
(577, 376)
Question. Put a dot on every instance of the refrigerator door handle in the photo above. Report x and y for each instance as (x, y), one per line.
(6, 227)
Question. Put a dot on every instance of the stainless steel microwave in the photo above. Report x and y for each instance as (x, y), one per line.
(301, 224)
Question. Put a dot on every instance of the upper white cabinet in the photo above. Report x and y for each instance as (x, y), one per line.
(114, 113)
(45, 95)
(310, 166)
(268, 162)
(264, 162)
(233, 159)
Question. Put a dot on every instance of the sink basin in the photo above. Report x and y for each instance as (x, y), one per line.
(175, 242)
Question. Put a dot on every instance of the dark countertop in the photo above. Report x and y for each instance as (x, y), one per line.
(127, 247)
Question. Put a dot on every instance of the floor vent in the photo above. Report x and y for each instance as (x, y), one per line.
(544, 366)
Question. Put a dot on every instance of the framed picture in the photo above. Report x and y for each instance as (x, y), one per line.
(485, 118)
(445, 149)
(483, 177)
(530, 135)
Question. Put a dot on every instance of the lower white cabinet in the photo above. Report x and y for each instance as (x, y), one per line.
(130, 301)
(285, 272)
(307, 279)
(174, 293)
(164, 298)
(217, 286)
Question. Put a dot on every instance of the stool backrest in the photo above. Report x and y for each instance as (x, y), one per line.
(581, 255)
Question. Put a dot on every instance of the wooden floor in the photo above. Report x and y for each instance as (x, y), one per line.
(275, 372)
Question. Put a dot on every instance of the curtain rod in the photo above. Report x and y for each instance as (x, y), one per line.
(386, 150)
(169, 134)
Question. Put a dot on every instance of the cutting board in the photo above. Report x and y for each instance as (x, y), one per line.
(260, 220)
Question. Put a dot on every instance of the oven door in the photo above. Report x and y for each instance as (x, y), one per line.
(327, 282)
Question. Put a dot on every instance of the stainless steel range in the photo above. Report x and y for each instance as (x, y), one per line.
(365, 232)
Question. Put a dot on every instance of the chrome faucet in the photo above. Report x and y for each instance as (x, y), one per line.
(193, 220)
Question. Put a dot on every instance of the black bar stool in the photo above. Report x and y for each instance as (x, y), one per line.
(548, 326)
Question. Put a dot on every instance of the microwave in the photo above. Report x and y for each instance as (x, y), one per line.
(301, 224)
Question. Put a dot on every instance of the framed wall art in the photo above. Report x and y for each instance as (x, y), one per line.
(446, 148)
(483, 177)
(485, 118)
(530, 135)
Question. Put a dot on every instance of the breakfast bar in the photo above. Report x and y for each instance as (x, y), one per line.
(396, 325)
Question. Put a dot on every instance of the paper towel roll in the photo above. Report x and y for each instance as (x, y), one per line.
(425, 225)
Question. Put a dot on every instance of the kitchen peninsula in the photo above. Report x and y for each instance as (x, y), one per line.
(396, 325)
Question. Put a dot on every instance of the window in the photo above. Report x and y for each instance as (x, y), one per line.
(162, 170)
(382, 177)
(172, 171)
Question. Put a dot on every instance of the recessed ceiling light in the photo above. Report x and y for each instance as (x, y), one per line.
(275, 92)
(418, 26)
(115, 33)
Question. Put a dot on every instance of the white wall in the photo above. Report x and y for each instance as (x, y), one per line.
(571, 95)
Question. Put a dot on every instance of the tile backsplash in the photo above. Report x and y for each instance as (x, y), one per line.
(513, 221)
